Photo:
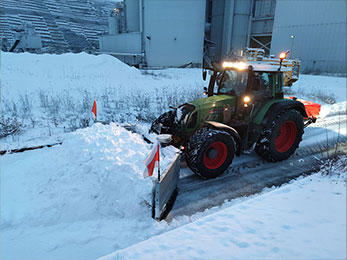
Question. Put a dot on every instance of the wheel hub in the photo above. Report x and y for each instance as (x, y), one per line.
(211, 153)
(215, 155)
(286, 136)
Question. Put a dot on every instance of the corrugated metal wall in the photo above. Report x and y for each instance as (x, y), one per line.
(314, 31)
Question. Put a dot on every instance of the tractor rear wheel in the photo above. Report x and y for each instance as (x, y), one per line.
(280, 140)
(210, 152)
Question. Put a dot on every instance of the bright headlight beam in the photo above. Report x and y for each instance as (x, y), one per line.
(227, 64)
(236, 65)
(246, 99)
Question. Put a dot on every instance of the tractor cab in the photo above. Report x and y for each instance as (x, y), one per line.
(251, 84)
(257, 78)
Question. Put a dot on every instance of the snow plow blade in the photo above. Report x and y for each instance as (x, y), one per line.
(312, 109)
(165, 191)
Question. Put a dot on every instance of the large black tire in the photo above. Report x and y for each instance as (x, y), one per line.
(280, 140)
(210, 152)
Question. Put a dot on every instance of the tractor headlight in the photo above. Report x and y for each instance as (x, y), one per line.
(227, 64)
(246, 99)
(235, 65)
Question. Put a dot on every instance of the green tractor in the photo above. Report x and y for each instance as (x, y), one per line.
(244, 110)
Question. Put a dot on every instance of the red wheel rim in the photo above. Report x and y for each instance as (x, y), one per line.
(286, 136)
(215, 155)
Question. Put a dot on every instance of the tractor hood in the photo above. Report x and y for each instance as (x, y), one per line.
(210, 103)
(217, 108)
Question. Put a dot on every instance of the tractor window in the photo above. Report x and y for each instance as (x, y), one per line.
(232, 82)
(277, 81)
(265, 81)
(279, 87)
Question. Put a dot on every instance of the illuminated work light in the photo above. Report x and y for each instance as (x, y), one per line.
(236, 65)
(227, 64)
(246, 99)
(283, 55)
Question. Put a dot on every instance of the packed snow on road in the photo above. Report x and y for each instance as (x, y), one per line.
(86, 198)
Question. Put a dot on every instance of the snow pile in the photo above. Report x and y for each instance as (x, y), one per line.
(80, 199)
(96, 172)
(55, 73)
(305, 219)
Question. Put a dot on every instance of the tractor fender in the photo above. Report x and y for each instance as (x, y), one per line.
(230, 130)
(275, 108)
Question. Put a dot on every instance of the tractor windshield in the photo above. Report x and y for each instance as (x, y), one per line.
(232, 82)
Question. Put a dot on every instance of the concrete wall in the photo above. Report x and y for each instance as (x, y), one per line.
(319, 30)
(174, 31)
(121, 43)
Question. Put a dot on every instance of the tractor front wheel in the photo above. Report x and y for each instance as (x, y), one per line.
(280, 140)
(210, 152)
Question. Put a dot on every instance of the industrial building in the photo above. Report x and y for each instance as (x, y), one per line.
(314, 32)
(174, 33)
(63, 26)
(157, 33)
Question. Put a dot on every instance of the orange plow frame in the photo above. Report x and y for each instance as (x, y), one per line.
(312, 110)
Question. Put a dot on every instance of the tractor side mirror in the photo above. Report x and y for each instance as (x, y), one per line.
(204, 74)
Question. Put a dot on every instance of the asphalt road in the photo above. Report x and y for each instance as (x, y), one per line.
(248, 175)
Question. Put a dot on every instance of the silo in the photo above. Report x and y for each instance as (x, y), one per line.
(113, 22)
(132, 13)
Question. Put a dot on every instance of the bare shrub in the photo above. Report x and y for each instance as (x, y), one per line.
(54, 106)
(43, 97)
(334, 166)
(9, 126)
(86, 102)
(329, 163)
(26, 106)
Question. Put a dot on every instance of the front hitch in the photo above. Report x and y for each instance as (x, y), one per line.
(164, 124)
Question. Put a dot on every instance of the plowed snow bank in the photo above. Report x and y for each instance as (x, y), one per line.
(96, 172)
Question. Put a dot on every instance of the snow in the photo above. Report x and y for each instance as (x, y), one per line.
(319, 87)
(87, 198)
(90, 182)
(54, 94)
(305, 219)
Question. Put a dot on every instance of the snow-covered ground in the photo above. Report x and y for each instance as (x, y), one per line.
(78, 200)
(86, 198)
(305, 219)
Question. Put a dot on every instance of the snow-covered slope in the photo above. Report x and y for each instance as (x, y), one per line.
(305, 219)
(53, 94)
